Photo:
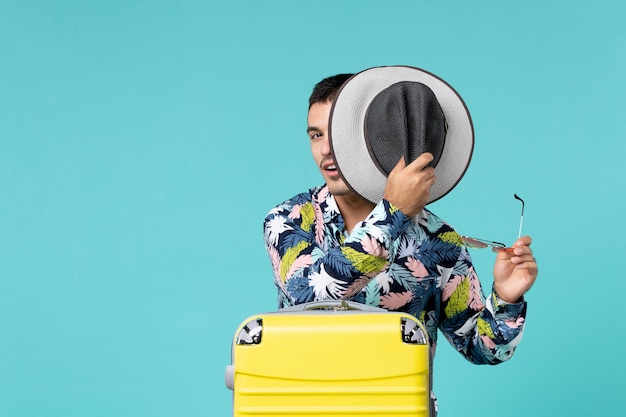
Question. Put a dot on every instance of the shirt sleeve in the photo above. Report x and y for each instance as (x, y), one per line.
(483, 330)
(306, 268)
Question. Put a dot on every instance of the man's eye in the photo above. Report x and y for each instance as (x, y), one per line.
(316, 135)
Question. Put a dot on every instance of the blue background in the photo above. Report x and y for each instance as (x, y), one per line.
(143, 142)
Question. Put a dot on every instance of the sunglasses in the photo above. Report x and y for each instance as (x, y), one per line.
(474, 243)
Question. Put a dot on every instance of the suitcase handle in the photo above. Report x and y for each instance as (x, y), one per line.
(337, 305)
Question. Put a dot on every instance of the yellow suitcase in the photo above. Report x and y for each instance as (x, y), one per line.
(330, 359)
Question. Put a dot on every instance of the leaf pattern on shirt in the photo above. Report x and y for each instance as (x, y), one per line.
(432, 223)
(417, 268)
(457, 303)
(484, 328)
(356, 286)
(340, 265)
(451, 286)
(476, 299)
(451, 237)
(307, 215)
(395, 301)
(300, 262)
(402, 276)
(390, 261)
(407, 247)
(373, 247)
(488, 342)
(275, 259)
(324, 286)
(383, 282)
(363, 262)
(290, 257)
(276, 226)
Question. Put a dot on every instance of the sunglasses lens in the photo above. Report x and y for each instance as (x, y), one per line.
(473, 243)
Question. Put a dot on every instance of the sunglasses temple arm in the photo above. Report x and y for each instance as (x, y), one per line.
(521, 220)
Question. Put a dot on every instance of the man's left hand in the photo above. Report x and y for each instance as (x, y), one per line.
(515, 270)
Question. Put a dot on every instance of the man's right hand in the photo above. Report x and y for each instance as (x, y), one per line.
(408, 186)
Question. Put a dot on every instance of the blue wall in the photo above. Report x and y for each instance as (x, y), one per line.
(142, 143)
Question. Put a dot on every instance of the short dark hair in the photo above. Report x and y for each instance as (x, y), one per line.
(326, 90)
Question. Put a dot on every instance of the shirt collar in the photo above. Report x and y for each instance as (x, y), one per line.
(328, 205)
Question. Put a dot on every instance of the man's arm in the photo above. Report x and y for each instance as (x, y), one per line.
(484, 331)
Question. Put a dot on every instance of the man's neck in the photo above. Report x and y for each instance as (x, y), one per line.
(353, 209)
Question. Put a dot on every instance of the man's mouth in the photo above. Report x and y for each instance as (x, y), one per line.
(328, 166)
(330, 170)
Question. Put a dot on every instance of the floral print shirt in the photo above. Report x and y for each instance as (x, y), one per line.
(419, 266)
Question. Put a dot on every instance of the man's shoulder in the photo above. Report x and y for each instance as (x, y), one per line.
(432, 223)
(313, 195)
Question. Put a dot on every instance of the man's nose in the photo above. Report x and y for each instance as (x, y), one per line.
(325, 149)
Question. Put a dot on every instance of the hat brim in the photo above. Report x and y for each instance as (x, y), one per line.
(347, 131)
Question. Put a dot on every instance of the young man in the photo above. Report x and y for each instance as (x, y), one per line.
(330, 243)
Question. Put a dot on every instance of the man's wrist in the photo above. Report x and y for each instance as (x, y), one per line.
(506, 300)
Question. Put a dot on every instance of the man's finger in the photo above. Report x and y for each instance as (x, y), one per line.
(421, 161)
(400, 165)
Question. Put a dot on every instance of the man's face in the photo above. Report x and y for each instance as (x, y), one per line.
(320, 147)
